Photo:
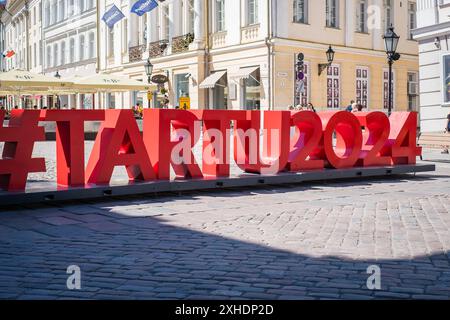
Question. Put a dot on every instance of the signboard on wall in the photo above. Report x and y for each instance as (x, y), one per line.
(185, 103)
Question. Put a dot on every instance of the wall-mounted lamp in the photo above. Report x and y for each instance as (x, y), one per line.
(330, 58)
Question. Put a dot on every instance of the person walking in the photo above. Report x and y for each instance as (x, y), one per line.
(350, 106)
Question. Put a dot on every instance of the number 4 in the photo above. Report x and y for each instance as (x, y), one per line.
(402, 138)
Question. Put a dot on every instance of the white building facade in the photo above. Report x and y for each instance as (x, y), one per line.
(433, 35)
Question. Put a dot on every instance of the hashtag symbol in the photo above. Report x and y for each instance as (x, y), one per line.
(19, 138)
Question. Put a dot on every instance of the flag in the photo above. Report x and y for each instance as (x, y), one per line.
(2, 3)
(143, 6)
(112, 16)
(8, 53)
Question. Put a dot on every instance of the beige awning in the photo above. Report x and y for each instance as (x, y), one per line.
(245, 73)
(211, 81)
(21, 79)
(107, 82)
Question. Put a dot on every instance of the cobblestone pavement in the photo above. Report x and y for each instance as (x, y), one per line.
(307, 241)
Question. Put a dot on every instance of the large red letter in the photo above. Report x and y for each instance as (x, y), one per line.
(119, 143)
(276, 139)
(160, 141)
(70, 142)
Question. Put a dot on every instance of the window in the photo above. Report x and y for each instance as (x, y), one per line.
(191, 16)
(61, 10)
(72, 50)
(54, 13)
(413, 91)
(71, 8)
(125, 35)
(446, 78)
(55, 55)
(47, 13)
(252, 91)
(110, 42)
(362, 86)
(332, 12)
(302, 87)
(411, 19)
(386, 89)
(252, 12)
(34, 55)
(220, 15)
(63, 53)
(91, 45)
(361, 16)
(82, 46)
(301, 11)
(166, 22)
(333, 86)
(181, 87)
(388, 13)
(41, 53)
(82, 7)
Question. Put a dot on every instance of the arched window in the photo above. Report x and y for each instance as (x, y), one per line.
(91, 45)
(55, 55)
(72, 50)
(82, 46)
(63, 53)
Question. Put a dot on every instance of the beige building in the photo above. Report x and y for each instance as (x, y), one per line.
(241, 54)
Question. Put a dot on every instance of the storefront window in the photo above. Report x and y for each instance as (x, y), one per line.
(446, 78)
(252, 92)
(181, 86)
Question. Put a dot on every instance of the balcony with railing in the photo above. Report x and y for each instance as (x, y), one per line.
(157, 48)
(250, 33)
(136, 52)
(181, 43)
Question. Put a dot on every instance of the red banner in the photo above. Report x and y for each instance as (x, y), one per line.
(284, 141)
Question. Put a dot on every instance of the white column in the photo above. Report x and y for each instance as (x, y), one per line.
(199, 31)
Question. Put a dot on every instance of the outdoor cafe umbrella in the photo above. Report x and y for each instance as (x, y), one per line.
(109, 83)
(20, 80)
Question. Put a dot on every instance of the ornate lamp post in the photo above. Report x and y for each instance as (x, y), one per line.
(330, 58)
(391, 41)
(149, 70)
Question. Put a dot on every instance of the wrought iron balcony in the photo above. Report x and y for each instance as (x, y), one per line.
(156, 49)
(135, 53)
(181, 44)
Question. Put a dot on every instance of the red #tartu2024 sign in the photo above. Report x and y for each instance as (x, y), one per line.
(363, 139)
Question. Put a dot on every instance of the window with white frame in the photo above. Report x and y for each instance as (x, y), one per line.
(34, 55)
(47, 14)
(333, 86)
(252, 12)
(91, 45)
(446, 78)
(125, 35)
(166, 20)
(82, 6)
(413, 90)
(411, 18)
(72, 50)
(303, 85)
(386, 89)
(361, 16)
(71, 8)
(300, 11)
(81, 48)
(61, 10)
(332, 13)
(63, 53)
(191, 20)
(55, 55)
(388, 13)
(54, 13)
(220, 15)
(362, 86)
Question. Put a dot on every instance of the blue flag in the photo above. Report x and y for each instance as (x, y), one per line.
(2, 3)
(143, 6)
(112, 16)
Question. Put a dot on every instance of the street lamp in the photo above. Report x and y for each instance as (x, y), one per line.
(299, 77)
(390, 42)
(57, 76)
(330, 58)
(149, 70)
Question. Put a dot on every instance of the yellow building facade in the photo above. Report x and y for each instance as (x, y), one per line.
(241, 54)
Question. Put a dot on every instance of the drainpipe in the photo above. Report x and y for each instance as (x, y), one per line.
(206, 21)
(98, 65)
(270, 54)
